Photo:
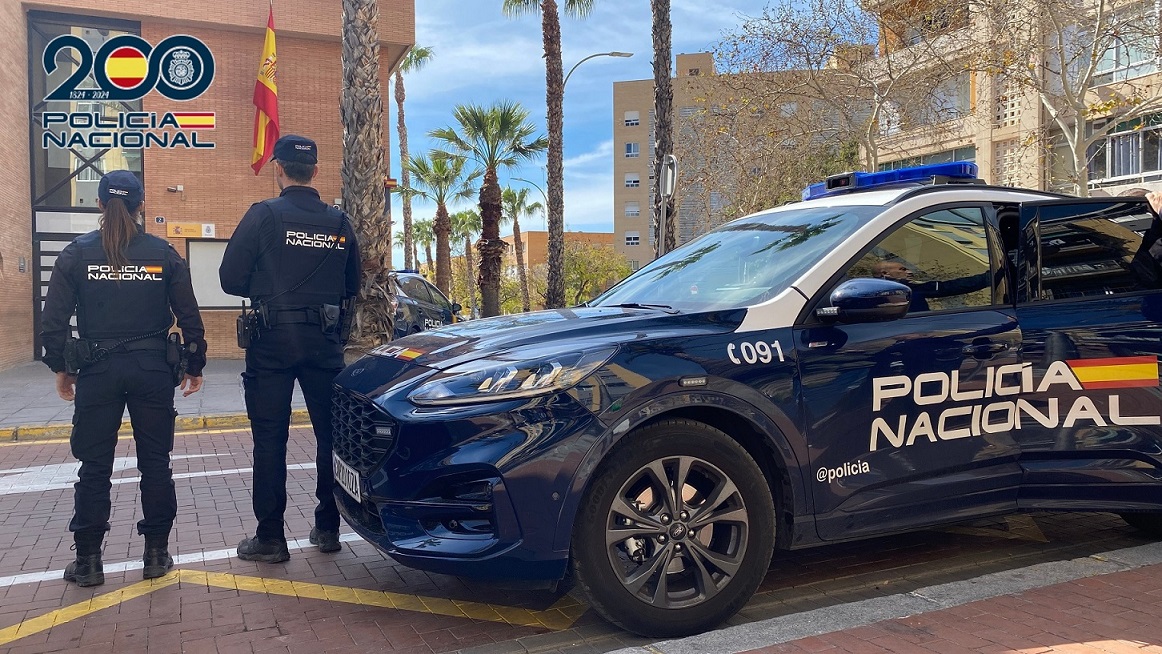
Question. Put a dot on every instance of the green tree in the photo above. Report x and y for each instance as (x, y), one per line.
(363, 169)
(589, 270)
(555, 115)
(416, 59)
(441, 179)
(425, 234)
(466, 225)
(497, 137)
(516, 204)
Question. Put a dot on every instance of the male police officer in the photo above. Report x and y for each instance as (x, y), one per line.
(126, 286)
(297, 260)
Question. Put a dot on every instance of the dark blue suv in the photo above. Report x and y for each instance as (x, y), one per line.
(898, 350)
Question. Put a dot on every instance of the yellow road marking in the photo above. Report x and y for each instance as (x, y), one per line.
(561, 615)
(82, 609)
(188, 432)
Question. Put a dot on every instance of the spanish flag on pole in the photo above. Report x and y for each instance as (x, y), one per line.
(266, 100)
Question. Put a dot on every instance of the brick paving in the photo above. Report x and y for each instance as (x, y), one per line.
(1117, 613)
(190, 615)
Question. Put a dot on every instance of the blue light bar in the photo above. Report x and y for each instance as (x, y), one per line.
(847, 182)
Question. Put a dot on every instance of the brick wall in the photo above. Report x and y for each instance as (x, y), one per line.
(219, 184)
(15, 192)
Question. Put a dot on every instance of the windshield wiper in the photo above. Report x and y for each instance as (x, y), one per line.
(635, 305)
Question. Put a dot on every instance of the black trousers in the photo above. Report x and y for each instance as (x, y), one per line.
(281, 356)
(143, 382)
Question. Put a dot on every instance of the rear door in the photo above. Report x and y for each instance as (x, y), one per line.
(1089, 424)
(898, 414)
(442, 308)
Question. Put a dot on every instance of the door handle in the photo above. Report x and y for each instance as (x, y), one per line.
(984, 350)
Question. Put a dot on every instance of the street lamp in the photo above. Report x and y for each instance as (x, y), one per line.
(599, 54)
(544, 195)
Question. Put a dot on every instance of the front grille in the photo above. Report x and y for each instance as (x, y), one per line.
(363, 434)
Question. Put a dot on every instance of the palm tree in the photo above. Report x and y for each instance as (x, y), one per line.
(424, 233)
(416, 58)
(363, 169)
(441, 179)
(466, 224)
(554, 101)
(516, 205)
(497, 137)
(663, 117)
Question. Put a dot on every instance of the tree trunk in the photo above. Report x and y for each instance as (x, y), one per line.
(554, 100)
(362, 172)
(470, 259)
(443, 228)
(663, 119)
(491, 248)
(520, 266)
(428, 254)
(405, 178)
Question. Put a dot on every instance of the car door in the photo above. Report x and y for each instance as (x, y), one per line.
(1089, 427)
(898, 414)
(422, 307)
(442, 308)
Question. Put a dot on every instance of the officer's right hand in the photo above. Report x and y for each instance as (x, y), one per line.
(191, 385)
(64, 386)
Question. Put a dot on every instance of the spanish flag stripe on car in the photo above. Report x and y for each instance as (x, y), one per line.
(1118, 372)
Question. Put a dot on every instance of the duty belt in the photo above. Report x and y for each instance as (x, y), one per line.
(295, 316)
(156, 344)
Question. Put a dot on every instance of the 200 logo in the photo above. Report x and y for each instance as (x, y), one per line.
(127, 67)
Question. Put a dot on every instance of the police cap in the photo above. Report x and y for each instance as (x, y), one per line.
(296, 149)
(121, 184)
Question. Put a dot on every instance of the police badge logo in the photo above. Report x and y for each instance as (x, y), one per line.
(181, 69)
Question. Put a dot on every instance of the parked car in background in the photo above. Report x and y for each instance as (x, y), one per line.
(420, 305)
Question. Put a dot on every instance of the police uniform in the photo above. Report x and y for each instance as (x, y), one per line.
(124, 313)
(291, 255)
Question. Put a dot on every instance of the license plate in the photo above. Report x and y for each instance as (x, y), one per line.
(347, 477)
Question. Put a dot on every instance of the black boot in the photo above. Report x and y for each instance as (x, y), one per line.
(86, 570)
(156, 559)
(328, 541)
(265, 551)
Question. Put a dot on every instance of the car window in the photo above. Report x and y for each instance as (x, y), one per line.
(415, 289)
(438, 298)
(1090, 253)
(943, 256)
(741, 263)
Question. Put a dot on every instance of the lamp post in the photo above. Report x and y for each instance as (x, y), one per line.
(599, 54)
(543, 195)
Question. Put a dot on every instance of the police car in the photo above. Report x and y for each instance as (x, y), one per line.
(899, 350)
(419, 305)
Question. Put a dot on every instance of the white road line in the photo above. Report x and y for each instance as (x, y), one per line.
(124, 566)
(63, 476)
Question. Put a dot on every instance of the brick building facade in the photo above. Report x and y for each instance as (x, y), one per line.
(217, 185)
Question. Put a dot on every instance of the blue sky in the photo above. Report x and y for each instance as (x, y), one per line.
(482, 56)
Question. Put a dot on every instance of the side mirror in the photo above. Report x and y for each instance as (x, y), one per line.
(867, 300)
(456, 308)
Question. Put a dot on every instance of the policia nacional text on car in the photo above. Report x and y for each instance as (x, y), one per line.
(126, 287)
(296, 258)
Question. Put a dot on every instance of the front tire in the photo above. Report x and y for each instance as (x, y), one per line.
(663, 562)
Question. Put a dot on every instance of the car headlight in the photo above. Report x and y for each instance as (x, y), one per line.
(510, 375)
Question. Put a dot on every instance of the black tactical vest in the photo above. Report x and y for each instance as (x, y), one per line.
(306, 238)
(132, 301)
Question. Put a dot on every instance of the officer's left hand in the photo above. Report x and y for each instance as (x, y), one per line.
(64, 386)
(191, 385)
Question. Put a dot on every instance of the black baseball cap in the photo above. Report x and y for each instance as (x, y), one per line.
(121, 184)
(296, 149)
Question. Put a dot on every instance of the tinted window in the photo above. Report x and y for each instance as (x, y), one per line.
(438, 298)
(415, 288)
(742, 262)
(942, 256)
(1087, 250)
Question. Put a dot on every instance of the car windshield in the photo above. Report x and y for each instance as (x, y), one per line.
(741, 263)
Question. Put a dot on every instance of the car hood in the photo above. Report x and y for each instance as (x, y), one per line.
(461, 342)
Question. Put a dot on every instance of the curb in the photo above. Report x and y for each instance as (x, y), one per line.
(31, 433)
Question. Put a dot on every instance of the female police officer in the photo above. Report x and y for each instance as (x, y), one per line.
(126, 286)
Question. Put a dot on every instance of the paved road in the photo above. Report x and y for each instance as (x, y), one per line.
(359, 600)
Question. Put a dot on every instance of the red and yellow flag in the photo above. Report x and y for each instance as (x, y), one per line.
(1116, 372)
(266, 100)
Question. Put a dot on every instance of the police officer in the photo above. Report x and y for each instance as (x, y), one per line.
(125, 286)
(296, 258)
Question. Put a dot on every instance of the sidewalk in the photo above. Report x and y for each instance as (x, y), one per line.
(30, 407)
